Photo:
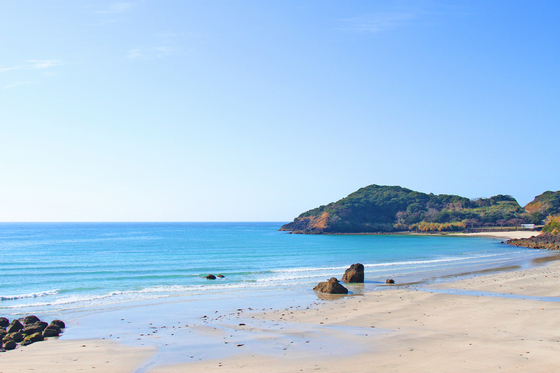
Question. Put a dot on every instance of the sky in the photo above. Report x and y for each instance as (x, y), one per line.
(260, 110)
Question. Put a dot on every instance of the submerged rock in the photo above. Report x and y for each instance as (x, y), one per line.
(331, 287)
(210, 277)
(389, 281)
(221, 276)
(354, 274)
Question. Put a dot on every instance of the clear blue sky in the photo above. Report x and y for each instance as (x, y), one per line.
(260, 110)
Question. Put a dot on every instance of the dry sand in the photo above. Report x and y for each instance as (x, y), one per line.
(502, 235)
(55, 356)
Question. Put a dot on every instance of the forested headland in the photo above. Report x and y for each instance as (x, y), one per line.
(378, 209)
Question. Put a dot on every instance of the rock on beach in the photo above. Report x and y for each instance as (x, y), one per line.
(32, 330)
(15, 326)
(331, 287)
(354, 274)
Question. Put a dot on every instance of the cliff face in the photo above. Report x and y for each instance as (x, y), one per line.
(377, 208)
(308, 224)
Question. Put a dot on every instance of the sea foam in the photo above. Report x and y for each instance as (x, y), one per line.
(31, 295)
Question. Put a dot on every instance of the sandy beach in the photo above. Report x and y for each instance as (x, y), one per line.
(55, 356)
(505, 321)
(501, 235)
(418, 330)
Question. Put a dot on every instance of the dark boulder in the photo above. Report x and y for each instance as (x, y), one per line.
(210, 277)
(31, 319)
(331, 287)
(10, 345)
(37, 337)
(15, 326)
(390, 281)
(16, 337)
(354, 274)
(4, 322)
(31, 329)
(42, 325)
(58, 323)
(51, 331)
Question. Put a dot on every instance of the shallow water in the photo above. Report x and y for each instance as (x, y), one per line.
(59, 268)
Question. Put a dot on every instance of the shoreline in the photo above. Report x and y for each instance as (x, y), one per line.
(496, 234)
(468, 325)
(295, 337)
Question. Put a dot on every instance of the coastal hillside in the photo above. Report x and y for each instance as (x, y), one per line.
(378, 208)
(543, 206)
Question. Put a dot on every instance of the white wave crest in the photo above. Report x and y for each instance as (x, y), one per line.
(383, 264)
(30, 295)
(307, 269)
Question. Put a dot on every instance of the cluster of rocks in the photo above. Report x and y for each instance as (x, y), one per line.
(27, 331)
(213, 277)
(354, 274)
(542, 241)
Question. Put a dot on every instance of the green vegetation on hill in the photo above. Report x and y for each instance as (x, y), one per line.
(544, 205)
(378, 208)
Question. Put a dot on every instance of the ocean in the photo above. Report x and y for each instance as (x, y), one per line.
(55, 269)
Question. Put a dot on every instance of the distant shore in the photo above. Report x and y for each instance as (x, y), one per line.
(498, 234)
(509, 235)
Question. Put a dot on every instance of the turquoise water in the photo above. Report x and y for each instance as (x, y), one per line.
(49, 268)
